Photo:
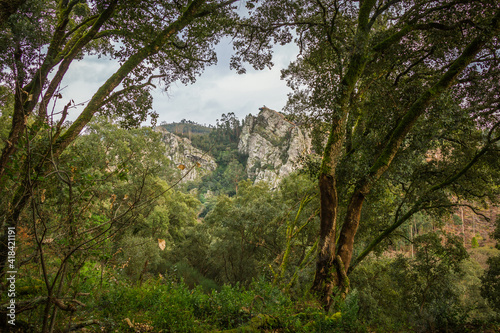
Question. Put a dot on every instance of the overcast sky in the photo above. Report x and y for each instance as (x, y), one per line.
(218, 90)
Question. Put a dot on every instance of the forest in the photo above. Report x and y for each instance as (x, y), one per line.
(389, 224)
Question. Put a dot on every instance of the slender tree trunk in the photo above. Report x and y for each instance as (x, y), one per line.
(411, 237)
(19, 202)
(58, 295)
(473, 225)
(463, 223)
(18, 126)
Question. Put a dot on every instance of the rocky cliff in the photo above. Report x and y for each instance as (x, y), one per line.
(180, 151)
(273, 145)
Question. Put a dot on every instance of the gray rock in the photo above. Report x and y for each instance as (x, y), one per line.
(182, 153)
(273, 145)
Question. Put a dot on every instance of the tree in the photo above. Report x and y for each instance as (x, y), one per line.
(222, 143)
(167, 40)
(107, 210)
(243, 232)
(257, 230)
(8, 8)
(419, 293)
(490, 288)
(400, 85)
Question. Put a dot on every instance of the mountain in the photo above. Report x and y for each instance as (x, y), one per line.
(272, 144)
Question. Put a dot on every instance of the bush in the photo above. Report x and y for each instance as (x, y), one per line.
(414, 294)
(491, 283)
(474, 242)
(164, 304)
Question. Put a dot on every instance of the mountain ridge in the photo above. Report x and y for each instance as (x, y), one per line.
(271, 144)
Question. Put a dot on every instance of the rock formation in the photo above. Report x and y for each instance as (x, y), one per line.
(273, 145)
(180, 151)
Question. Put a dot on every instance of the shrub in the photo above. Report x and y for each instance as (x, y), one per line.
(474, 242)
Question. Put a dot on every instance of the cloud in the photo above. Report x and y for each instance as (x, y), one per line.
(82, 81)
(218, 90)
(211, 96)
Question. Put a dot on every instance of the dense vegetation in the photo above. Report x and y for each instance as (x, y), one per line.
(144, 260)
(401, 98)
(221, 142)
(186, 128)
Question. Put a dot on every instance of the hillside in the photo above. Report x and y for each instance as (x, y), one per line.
(266, 147)
(186, 128)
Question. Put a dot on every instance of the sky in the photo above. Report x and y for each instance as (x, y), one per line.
(221, 90)
(218, 90)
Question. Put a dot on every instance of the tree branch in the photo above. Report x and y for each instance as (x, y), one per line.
(419, 205)
(128, 89)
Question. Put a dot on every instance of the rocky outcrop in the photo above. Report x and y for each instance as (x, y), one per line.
(273, 145)
(192, 162)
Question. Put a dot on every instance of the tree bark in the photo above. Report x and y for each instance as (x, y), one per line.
(350, 227)
(18, 203)
(325, 278)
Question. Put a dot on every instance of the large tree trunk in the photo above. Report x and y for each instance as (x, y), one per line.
(325, 278)
(17, 205)
(349, 228)
(327, 275)
(335, 255)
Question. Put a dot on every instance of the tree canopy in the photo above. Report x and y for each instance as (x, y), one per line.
(168, 41)
(401, 97)
(399, 84)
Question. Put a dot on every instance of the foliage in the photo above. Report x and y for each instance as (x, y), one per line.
(394, 105)
(186, 128)
(6, 105)
(99, 211)
(491, 285)
(167, 42)
(435, 290)
(430, 294)
(169, 305)
(474, 242)
(242, 236)
(491, 279)
(222, 143)
(402, 98)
